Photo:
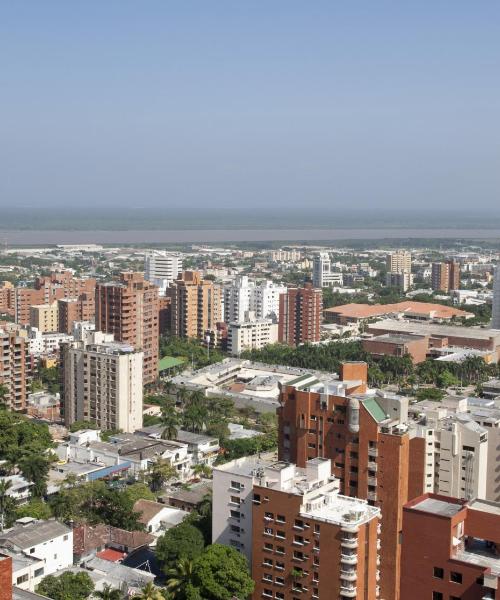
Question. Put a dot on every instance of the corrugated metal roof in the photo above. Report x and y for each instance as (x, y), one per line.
(374, 408)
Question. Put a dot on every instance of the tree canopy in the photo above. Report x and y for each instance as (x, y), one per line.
(68, 586)
(183, 541)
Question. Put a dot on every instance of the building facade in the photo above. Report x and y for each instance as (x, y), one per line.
(450, 549)
(300, 315)
(45, 317)
(495, 320)
(250, 334)
(15, 368)
(323, 275)
(129, 309)
(102, 382)
(445, 276)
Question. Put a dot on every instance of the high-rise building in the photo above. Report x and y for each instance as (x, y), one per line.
(310, 540)
(244, 295)
(45, 317)
(403, 280)
(300, 315)
(102, 383)
(196, 306)
(398, 262)
(445, 276)
(450, 549)
(71, 310)
(495, 321)
(323, 275)
(15, 369)
(162, 268)
(7, 298)
(129, 309)
(366, 437)
(250, 333)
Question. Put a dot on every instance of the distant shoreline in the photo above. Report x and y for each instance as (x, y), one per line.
(32, 237)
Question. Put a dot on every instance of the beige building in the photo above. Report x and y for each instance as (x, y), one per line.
(45, 317)
(196, 306)
(14, 368)
(250, 334)
(398, 262)
(102, 383)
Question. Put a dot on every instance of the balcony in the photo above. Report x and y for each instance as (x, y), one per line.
(372, 496)
(350, 575)
(372, 481)
(349, 559)
(349, 542)
(348, 591)
(373, 452)
(372, 465)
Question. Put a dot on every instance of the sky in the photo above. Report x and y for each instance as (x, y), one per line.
(272, 104)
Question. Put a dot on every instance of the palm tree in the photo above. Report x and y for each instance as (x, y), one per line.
(109, 593)
(170, 421)
(182, 395)
(179, 577)
(5, 485)
(149, 592)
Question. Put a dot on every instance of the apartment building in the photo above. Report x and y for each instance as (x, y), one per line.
(310, 541)
(129, 309)
(15, 368)
(7, 298)
(72, 310)
(398, 344)
(102, 383)
(403, 280)
(450, 549)
(162, 268)
(196, 306)
(398, 262)
(367, 439)
(45, 317)
(57, 285)
(300, 315)
(495, 320)
(244, 295)
(445, 276)
(323, 274)
(286, 255)
(250, 334)
(232, 511)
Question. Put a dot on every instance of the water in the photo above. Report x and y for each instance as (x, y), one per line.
(236, 235)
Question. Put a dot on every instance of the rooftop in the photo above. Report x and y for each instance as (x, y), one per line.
(438, 506)
(364, 311)
(33, 533)
(434, 329)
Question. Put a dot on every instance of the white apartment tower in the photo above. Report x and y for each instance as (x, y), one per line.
(162, 268)
(102, 383)
(250, 334)
(323, 276)
(495, 322)
(399, 261)
(244, 295)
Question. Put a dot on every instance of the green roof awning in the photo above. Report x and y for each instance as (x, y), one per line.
(168, 362)
(374, 408)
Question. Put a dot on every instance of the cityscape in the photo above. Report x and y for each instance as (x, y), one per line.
(249, 300)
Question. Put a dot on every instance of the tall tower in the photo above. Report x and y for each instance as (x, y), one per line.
(300, 315)
(129, 309)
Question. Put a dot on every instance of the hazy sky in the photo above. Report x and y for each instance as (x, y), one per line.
(243, 103)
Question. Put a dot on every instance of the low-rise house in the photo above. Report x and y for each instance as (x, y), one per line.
(187, 499)
(51, 542)
(89, 540)
(20, 488)
(157, 517)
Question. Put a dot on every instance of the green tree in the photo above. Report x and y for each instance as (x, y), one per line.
(169, 420)
(35, 468)
(161, 472)
(138, 491)
(79, 425)
(109, 593)
(222, 573)
(4, 393)
(149, 592)
(446, 379)
(7, 504)
(36, 508)
(179, 578)
(68, 586)
(182, 541)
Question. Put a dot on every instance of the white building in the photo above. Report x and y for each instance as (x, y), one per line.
(232, 502)
(102, 383)
(82, 330)
(323, 276)
(51, 542)
(495, 321)
(250, 334)
(162, 268)
(46, 343)
(245, 295)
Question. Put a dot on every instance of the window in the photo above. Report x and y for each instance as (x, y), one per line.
(38, 572)
(235, 500)
(268, 530)
(437, 596)
(32, 550)
(456, 577)
(280, 518)
(269, 515)
(268, 546)
(280, 534)
(280, 549)
(438, 572)
(236, 485)
(280, 580)
(22, 578)
(280, 565)
(456, 597)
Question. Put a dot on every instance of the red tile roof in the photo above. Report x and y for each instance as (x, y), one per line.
(111, 555)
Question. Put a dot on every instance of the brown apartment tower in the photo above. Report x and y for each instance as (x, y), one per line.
(15, 368)
(196, 306)
(300, 315)
(129, 310)
(445, 276)
(308, 541)
(366, 438)
(450, 549)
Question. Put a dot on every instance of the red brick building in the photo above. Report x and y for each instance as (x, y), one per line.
(450, 549)
(5, 577)
(75, 309)
(300, 315)
(366, 438)
(415, 346)
(129, 309)
(307, 540)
